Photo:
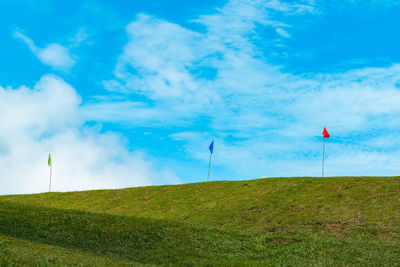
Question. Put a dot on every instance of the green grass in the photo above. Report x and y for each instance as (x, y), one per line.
(280, 221)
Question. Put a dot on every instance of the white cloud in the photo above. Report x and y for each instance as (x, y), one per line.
(126, 112)
(173, 66)
(46, 119)
(265, 122)
(80, 37)
(54, 55)
(165, 76)
(283, 33)
(275, 119)
(357, 100)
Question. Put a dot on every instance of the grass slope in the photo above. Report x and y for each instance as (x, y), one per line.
(302, 221)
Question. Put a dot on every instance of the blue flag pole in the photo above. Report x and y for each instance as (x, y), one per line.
(211, 148)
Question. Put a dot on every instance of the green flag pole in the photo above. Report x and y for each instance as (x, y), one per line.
(51, 168)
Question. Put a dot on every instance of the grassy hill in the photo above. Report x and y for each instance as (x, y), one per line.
(280, 221)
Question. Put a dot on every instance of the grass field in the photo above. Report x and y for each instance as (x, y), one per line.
(279, 221)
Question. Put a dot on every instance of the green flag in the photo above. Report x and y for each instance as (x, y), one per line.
(49, 161)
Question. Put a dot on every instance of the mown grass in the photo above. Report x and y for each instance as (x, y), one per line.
(20, 252)
(298, 221)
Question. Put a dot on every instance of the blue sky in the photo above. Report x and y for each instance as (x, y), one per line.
(131, 93)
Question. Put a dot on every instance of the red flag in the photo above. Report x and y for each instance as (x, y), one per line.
(325, 133)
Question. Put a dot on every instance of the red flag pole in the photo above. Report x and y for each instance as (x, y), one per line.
(323, 157)
(326, 135)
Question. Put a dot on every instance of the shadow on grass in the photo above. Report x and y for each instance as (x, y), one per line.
(130, 238)
(152, 241)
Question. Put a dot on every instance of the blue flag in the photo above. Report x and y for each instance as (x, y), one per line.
(211, 147)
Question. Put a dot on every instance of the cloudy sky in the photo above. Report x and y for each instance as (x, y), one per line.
(131, 93)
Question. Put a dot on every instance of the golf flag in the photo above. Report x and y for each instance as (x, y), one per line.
(325, 133)
(211, 147)
(51, 168)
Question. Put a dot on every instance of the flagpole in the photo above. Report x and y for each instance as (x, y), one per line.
(51, 167)
(323, 157)
(209, 165)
